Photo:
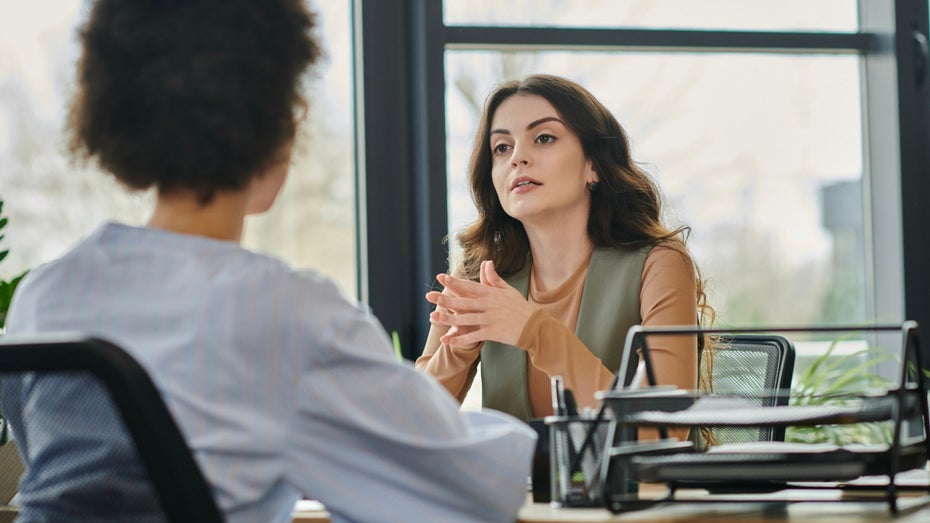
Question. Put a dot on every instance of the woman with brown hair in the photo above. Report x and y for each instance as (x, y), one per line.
(568, 252)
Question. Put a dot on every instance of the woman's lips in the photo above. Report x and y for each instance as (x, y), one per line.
(523, 184)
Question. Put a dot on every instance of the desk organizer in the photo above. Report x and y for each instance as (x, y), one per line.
(768, 465)
(581, 468)
(575, 464)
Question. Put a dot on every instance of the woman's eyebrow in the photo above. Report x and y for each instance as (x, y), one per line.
(534, 123)
(544, 119)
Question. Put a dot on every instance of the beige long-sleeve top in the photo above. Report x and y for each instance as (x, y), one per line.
(667, 297)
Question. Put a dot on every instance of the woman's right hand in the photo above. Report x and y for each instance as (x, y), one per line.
(478, 311)
(450, 332)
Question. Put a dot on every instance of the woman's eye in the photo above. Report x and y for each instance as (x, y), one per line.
(545, 138)
(500, 148)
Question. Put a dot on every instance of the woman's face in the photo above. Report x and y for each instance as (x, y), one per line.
(538, 167)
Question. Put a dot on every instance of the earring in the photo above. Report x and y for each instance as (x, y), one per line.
(592, 186)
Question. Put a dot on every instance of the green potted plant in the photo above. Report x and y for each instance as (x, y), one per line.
(11, 467)
(828, 381)
(6, 287)
(833, 379)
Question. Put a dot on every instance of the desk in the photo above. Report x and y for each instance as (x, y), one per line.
(749, 512)
(914, 508)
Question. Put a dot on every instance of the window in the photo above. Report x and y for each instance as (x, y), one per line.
(769, 15)
(51, 203)
(790, 135)
(760, 154)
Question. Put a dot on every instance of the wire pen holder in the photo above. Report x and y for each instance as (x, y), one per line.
(576, 468)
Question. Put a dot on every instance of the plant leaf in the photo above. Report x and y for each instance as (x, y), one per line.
(6, 295)
(395, 340)
(807, 378)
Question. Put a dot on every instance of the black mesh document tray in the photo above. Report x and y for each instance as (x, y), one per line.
(901, 406)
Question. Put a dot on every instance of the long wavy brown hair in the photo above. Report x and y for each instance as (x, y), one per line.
(626, 205)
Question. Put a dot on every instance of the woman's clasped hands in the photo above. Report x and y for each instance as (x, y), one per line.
(489, 309)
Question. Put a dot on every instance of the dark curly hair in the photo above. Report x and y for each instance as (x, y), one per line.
(192, 94)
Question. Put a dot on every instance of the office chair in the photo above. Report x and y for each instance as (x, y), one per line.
(53, 363)
(756, 367)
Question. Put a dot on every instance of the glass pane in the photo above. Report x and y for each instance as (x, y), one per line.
(760, 154)
(52, 203)
(769, 15)
(313, 222)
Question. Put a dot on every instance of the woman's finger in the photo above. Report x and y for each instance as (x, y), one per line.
(491, 277)
(460, 286)
(462, 340)
(453, 303)
(457, 319)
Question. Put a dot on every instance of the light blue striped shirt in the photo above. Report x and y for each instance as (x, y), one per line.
(281, 386)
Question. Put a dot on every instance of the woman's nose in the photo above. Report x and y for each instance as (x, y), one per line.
(519, 156)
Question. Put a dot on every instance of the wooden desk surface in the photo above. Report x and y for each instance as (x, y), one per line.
(912, 510)
(914, 507)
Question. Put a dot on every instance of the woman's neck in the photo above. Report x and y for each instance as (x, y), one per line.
(181, 211)
(557, 254)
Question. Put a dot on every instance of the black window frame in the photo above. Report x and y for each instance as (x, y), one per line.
(401, 140)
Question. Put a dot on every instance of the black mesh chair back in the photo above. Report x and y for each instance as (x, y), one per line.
(62, 393)
(757, 367)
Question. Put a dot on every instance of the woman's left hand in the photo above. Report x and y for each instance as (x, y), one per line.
(489, 310)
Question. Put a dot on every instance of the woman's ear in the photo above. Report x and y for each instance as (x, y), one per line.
(590, 174)
(591, 178)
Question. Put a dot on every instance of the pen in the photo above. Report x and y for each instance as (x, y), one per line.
(564, 449)
(571, 408)
(638, 375)
(558, 396)
(577, 475)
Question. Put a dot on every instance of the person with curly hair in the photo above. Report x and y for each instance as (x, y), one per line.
(567, 253)
(281, 387)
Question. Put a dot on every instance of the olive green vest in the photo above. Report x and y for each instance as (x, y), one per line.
(609, 307)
